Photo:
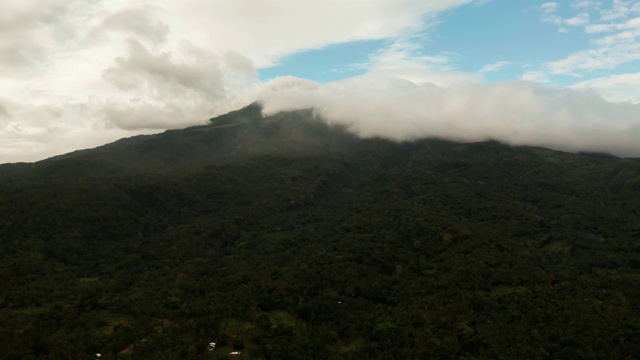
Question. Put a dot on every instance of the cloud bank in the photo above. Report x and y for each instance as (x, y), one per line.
(516, 113)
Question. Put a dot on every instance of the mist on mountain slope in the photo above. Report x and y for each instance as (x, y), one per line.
(516, 113)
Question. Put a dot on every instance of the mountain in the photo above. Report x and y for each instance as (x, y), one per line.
(238, 135)
(283, 237)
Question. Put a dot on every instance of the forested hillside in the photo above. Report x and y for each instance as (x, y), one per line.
(285, 238)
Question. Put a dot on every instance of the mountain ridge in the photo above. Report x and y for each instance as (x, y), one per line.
(292, 239)
(242, 132)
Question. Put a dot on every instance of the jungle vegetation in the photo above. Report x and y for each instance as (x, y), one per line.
(285, 238)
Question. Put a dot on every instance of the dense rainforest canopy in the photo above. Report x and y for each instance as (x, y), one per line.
(282, 237)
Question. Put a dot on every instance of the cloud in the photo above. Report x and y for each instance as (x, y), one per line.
(598, 28)
(199, 73)
(403, 60)
(615, 38)
(621, 87)
(549, 7)
(121, 66)
(517, 113)
(548, 13)
(535, 76)
(4, 113)
(606, 57)
(497, 66)
(631, 24)
(172, 89)
(257, 29)
(581, 19)
(140, 22)
(586, 4)
(39, 131)
(620, 9)
(405, 53)
(25, 31)
(16, 147)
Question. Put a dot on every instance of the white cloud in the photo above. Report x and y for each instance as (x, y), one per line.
(549, 7)
(598, 28)
(608, 57)
(405, 54)
(518, 113)
(619, 9)
(29, 28)
(138, 21)
(257, 29)
(581, 19)
(548, 13)
(586, 5)
(404, 60)
(4, 113)
(497, 66)
(37, 131)
(409, 77)
(535, 76)
(615, 41)
(140, 64)
(617, 88)
(631, 24)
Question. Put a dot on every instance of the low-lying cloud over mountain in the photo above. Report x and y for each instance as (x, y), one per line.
(517, 113)
(81, 73)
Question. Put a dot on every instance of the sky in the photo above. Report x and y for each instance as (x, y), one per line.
(81, 73)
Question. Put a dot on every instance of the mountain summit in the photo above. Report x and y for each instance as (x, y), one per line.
(283, 237)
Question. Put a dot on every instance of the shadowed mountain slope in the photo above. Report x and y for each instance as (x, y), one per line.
(239, 134)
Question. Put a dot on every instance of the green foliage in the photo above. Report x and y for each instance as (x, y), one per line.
(285, 238)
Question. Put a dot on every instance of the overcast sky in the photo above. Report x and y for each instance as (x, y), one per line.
(81, 73)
